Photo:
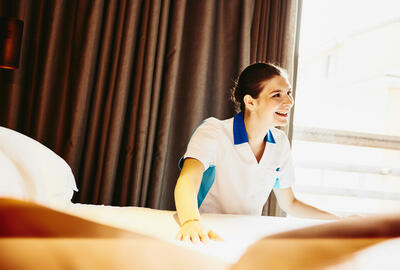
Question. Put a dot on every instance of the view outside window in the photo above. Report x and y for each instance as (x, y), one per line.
(346, 139)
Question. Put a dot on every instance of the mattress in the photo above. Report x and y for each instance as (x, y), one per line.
(238, 231)
(106, 237)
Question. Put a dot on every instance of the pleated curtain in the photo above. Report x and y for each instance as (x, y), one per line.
(116, 88)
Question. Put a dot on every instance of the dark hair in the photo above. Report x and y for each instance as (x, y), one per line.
(251, 80)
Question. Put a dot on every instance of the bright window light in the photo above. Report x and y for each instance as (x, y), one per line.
(346, 139)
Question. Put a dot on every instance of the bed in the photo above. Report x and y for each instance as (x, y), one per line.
(37, 237)
(238, 232)
(41, 229)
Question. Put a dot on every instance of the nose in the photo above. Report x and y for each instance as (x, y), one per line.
(288, 100)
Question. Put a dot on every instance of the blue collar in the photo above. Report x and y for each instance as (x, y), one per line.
(240, 134)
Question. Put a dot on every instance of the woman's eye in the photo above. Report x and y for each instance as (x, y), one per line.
(276, 95)
(289, 93)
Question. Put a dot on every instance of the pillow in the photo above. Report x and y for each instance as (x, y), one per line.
(47, 178)
(11, 181)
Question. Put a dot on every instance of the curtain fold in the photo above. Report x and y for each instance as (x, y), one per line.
(273, 39)
(117, 87)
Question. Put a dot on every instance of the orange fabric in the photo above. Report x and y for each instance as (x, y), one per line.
(36, 237)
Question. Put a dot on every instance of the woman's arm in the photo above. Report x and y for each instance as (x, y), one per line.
(290, 204)
(186, 190)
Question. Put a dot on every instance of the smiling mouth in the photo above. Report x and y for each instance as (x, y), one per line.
(282, 114)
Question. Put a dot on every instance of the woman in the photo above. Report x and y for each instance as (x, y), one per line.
(232, 165)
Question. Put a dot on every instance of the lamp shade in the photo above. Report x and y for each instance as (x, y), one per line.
(10, 42)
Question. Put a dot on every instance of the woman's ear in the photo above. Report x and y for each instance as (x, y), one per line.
(248, 102)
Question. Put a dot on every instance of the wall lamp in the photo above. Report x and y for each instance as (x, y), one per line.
(10, 42)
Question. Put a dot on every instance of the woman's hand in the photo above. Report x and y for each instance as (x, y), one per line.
(196, 232)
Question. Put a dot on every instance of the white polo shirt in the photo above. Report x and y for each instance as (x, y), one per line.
(233, 181)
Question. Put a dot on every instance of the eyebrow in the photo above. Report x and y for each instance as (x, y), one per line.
(275, 91)
(280, 90)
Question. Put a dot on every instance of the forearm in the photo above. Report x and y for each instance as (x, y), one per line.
(186, 200)
(300, 209)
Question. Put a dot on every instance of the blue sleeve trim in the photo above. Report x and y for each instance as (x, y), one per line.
(207, 180)
(277, 185)
(206, 183)
(180, 163)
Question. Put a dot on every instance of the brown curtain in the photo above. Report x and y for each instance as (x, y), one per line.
(117, 87)
(273, 36)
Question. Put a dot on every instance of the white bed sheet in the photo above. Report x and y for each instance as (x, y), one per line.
(238, 231)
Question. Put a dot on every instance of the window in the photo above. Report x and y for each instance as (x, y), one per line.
(346, 136)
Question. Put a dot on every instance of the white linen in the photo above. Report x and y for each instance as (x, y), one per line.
(47, 178)
(99, 247)
(238, 231)
(12, 183)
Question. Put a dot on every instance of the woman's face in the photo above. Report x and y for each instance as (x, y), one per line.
(273, 105)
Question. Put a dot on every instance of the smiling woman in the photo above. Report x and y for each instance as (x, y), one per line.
(230, 166)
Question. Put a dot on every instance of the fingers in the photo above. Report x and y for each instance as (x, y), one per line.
(189, 237)
(179, 236)
(198, 238)
(196, 233)
(213, 236)
(195, 238)
(204, 238)
(186, 238)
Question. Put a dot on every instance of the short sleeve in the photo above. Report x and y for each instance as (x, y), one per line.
(203, 143)
(286, 170)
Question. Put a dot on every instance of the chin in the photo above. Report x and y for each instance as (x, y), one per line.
(281, 123)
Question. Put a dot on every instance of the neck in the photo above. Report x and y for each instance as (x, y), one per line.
(256, 131)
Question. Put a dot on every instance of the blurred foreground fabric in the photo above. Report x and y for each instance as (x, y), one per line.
(36, 237)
